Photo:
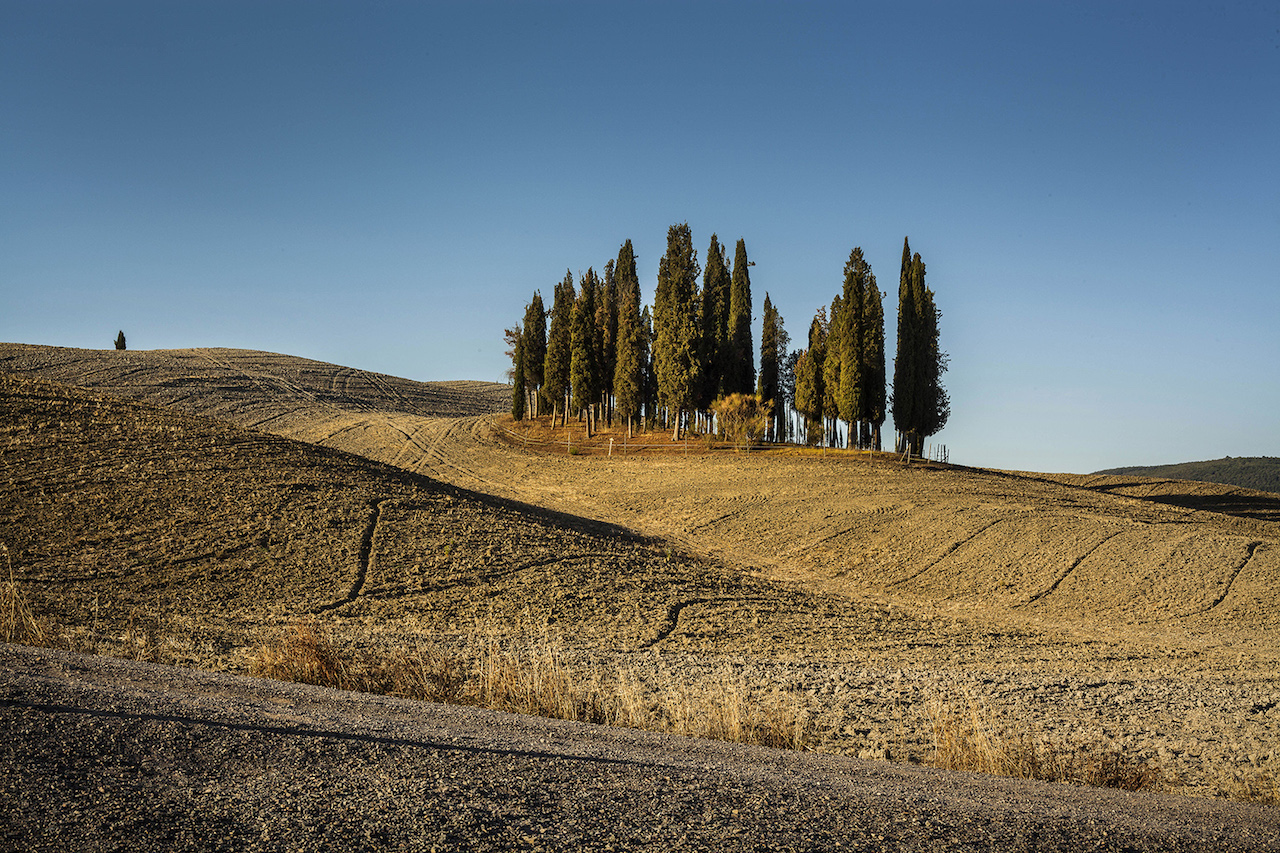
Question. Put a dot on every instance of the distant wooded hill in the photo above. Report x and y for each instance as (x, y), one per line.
(1249, 472)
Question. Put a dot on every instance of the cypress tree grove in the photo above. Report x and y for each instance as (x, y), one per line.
(518, 390)
(555, 373)
(675, 320)
(628, 372)
(535, 348)
(768, 391)
(740, 370)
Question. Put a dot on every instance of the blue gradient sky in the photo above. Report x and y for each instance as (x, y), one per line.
(1094, 186)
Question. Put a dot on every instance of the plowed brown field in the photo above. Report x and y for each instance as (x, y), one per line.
(215, 494)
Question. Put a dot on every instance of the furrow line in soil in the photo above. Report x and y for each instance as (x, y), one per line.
(366, 554)
(668, 627)
(1071, 568)
(1226, 590)
(949, 551)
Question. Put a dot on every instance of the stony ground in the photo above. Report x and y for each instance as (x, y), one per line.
(1086, 609)
(103, 754)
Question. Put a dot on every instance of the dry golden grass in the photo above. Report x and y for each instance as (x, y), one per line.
(966, 736)
(534, 676)
(17, 623)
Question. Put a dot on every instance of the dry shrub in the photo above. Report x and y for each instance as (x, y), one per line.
(743, 418)
(966, 737)
(303, 655)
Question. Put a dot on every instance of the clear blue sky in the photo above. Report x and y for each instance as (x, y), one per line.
(1095, 187)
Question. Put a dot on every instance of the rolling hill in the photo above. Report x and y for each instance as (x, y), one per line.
(1260, 473)
(183, 506)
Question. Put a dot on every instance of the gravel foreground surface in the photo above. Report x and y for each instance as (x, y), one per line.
(105, 754)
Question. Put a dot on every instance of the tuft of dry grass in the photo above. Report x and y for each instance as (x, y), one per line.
(302, 655)
(17, 622)
(1257, 786)
(967, 737)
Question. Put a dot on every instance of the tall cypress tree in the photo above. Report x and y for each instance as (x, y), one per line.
(628, 373)
(715, 324)
(675, 321)
(809, 393)
(649, 370)
(873, 373)
(816, 414)
(831, 370)
(607, 329)
(584, 370)
(905, 392)
(535, 347)
(921, 406)
(768, 390)
(740, 370)
(555, 374)
(935, 405)
(518, 390)
(852, 395)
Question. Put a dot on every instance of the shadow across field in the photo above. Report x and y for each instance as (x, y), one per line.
(1261, 506)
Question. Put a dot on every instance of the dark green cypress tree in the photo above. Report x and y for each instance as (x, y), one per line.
(740, 370)
(584, 365)
(851, 398)
(768, 390)
(935, 405)
(607, 329)
(518, 390)
(831, 367)
(675, 321)
(629, 366)
(906, 394)
(555, 375)
(873, 372)
(808, 401)
(535, 347)
(715, 324)
(120, 343)
(816, 415)
(649, 375)
(921, 405)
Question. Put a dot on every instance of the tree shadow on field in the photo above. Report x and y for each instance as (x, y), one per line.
(1255, 506)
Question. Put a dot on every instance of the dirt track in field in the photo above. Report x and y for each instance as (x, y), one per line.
(1142, 611)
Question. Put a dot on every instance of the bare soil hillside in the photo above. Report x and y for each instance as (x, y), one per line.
(1085, 608)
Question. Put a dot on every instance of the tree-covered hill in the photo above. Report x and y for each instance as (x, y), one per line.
(1249, 472)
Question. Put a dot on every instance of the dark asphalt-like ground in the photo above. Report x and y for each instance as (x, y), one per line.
(102, 754)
